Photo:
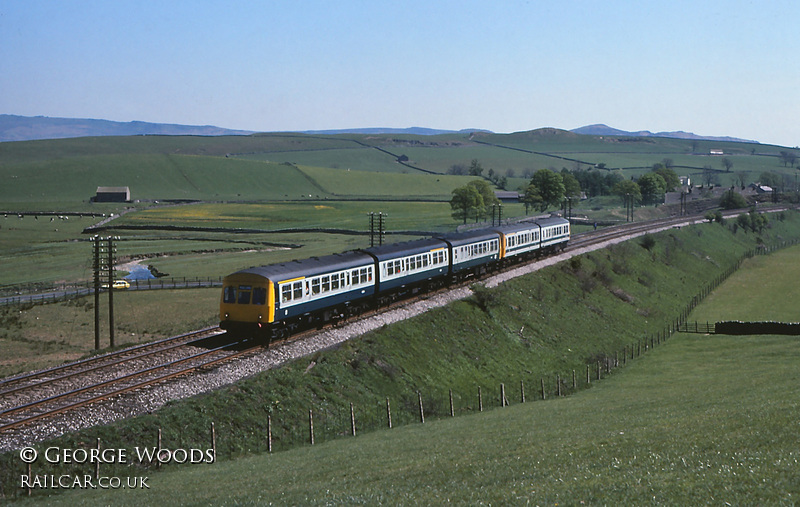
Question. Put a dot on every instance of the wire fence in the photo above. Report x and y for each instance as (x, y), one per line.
(50, 293)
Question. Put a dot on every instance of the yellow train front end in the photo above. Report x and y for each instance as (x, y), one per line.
(247, 305)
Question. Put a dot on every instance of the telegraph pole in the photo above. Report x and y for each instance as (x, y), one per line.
(111, 257)
(372, 228)
(96, 269)
(103, 267)
(380, 228)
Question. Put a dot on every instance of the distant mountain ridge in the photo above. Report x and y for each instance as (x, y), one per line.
(29, 128)
(600, 129)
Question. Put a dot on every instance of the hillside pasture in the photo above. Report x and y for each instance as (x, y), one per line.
(150, 177)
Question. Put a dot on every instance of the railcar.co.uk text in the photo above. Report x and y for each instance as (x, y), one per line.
(110, 456)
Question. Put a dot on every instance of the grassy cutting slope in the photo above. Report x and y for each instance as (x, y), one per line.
(533, 328)
(673, 428)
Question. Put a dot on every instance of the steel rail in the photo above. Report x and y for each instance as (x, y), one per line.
(103, 396)
(96, 359)
(122, 359)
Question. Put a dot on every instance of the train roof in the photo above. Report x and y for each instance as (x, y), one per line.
(539, 222)
(310, 267)
(464, 238)
(396, 250)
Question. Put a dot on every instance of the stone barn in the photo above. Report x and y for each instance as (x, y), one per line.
(112, 194)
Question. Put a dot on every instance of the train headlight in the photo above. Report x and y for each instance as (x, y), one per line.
(227, 315)
(259, 317)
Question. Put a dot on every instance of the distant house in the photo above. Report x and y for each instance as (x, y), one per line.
(112, 194)
(505, 196)
(716, 152)
(761, 189)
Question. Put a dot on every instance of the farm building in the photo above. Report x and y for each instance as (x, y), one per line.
(112, 194)
(505, 196)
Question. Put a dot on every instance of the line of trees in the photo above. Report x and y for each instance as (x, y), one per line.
(548, 188)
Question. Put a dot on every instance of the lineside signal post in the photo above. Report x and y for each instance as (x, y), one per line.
(104, 257)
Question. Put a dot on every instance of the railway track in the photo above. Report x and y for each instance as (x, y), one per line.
(33, 397)
(29, 398)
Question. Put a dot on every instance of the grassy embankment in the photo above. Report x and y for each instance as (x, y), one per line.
(651, 430)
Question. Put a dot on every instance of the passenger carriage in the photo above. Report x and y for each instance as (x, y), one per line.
(403, 267)
(293, 293)
(472, 252)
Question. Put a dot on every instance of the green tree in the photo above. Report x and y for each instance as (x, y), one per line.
(727, 164)
(572, 187)
(732, 200)
(626, 187)
(533, 198)
(653, 187)
(758, 221)
(475, 168)
(771, 179)
(670, 177)
(486, 192)
(465, 202)
(550, 187)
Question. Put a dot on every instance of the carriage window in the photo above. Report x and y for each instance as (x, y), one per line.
(297, 288)
(315, 286)
(286, 293)
(244, 295)
(229, 294)
(259, 296)
(326, 283)
(335, 282)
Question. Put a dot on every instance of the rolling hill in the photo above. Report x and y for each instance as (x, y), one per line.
(29, 128)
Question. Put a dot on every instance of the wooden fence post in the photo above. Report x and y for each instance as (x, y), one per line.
(503, 402)
(421, 411)
(389, 413)
(311, 426)
(588, 377)
(452, 408)
(352, 420)
(574, 381)
(269, 433)
(214, 440)
(558, 384)
(480, 400)
(97, 464)
(522, 391)
(544, 395)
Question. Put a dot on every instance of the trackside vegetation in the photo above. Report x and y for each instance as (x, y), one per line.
(697, 420)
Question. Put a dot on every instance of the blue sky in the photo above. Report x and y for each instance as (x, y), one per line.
(710, 67)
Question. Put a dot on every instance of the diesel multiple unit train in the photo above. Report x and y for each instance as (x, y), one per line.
(276, 300)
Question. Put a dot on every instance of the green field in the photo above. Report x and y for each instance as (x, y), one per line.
(699, 419)
(671, 429)
(279, 181)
